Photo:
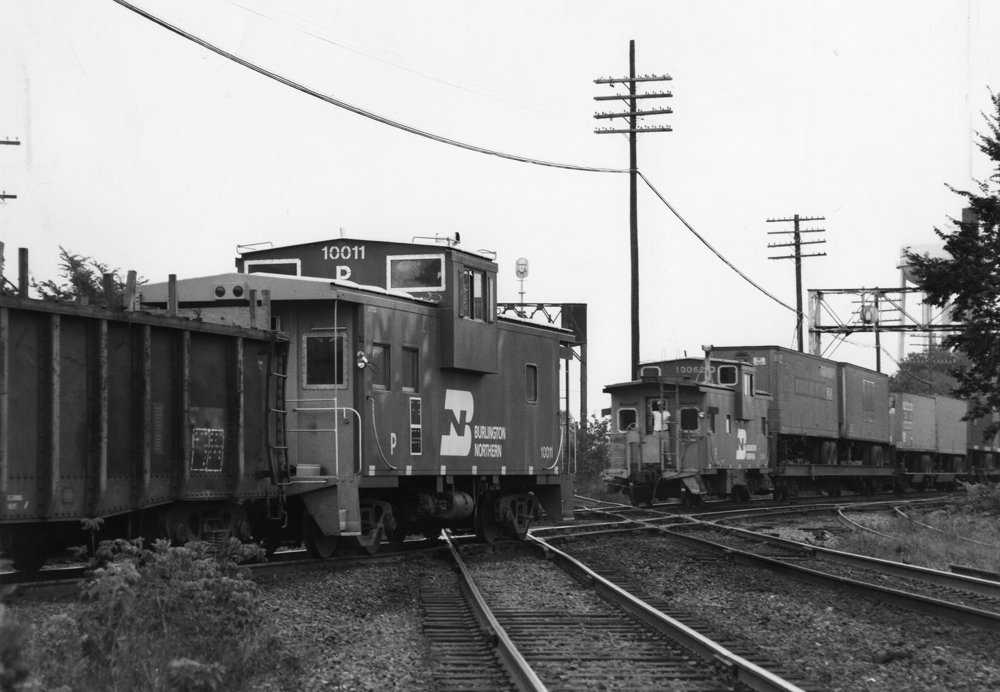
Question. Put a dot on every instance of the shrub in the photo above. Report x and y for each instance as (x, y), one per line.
(170, 618)
(983, 498)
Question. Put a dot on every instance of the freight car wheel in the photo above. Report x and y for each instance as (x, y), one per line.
(486, 518)
(27, 550)
(318, 544)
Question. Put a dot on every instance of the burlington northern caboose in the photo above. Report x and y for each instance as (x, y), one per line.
(687, 428)
(409, 405)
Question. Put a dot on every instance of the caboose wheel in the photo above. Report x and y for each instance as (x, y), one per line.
(318, 544)
(486, 518)
(367, 546)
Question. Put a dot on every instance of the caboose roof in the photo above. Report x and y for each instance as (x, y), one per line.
(201, 289)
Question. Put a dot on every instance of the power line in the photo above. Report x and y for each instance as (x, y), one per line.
(354, 109)
(709, 246)
(444, 140)
(396, 61)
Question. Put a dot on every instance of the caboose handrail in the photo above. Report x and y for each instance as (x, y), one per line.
(375, 431)
(559, 453)
(335, 430)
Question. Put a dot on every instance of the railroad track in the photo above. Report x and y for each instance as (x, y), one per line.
(964, 599)
(555, 624)
(718, 507)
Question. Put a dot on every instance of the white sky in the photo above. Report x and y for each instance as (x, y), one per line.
(147, 152)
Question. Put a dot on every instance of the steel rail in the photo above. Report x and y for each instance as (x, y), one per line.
(960, 582)
(740, 669)
(511, 659)
(981, 619)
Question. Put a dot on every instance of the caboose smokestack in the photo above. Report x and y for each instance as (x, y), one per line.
(708, 362)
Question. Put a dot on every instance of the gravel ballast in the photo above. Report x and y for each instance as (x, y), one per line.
(843, 643)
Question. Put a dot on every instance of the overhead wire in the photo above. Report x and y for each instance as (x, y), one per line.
(355, 109)
(437, 138)
(709, 245)
(480, 90)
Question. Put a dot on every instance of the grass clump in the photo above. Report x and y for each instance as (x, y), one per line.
(172, 618)
(965, 533)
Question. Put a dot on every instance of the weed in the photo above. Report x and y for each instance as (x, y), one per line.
(169, 618)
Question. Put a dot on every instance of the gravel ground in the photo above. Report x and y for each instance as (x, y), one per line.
(354, 629)
(841, 643)
(357, 628)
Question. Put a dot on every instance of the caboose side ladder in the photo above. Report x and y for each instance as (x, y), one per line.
(277, 444)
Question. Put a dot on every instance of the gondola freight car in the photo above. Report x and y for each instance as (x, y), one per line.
(410, 405)
(155, 425)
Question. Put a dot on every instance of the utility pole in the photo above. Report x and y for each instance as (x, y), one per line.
(12, 142)
(797, 243)
(632, 131)
(23, 291)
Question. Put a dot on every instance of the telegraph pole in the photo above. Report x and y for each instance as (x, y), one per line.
(12, 142)
(632, 130)
(22, 290)
(797, 243)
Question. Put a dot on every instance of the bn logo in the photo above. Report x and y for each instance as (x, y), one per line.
(458, 441)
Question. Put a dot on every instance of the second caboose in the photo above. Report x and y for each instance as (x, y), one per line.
(688, 428)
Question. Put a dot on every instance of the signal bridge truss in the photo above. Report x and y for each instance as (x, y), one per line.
(874, 310)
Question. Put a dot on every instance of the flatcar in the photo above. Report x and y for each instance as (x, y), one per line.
(394, 402)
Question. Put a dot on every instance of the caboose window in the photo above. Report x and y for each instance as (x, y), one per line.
(747, 384)
(287, 267)
(531, 383)
(727, 374)
(626, 419)
(411, 370)
(491, 300)
(381, 378)
(477, 296)
(475, 299)
(323, 361)
(416, 272)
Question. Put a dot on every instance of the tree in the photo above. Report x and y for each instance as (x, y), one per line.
(85, 277)
(969, 281)
(928, 372)
(593, 450)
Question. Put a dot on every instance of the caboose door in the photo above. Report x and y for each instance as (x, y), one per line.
(322, 418)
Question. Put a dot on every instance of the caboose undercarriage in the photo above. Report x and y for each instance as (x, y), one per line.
(491, 507)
